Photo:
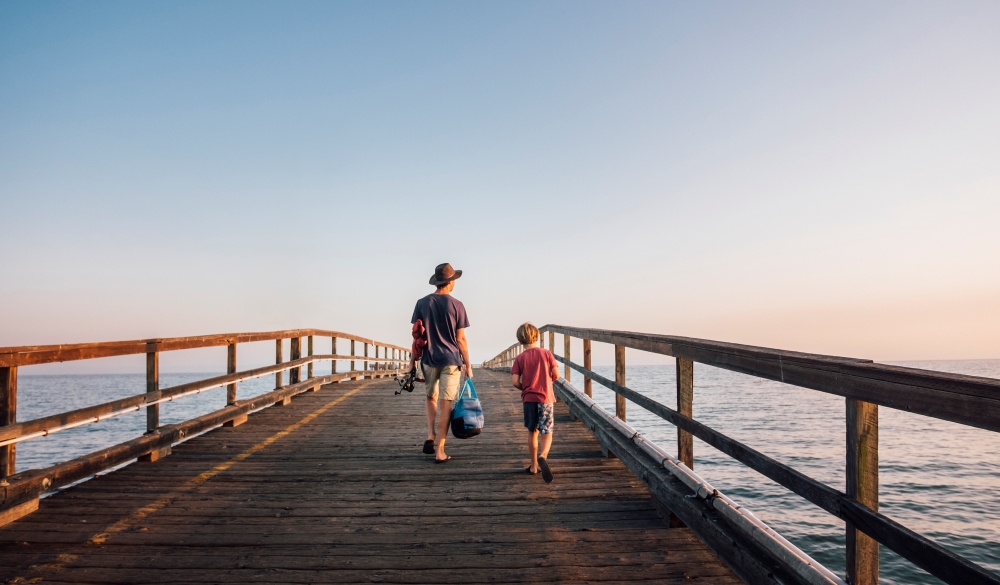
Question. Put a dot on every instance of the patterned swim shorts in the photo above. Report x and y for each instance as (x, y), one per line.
(538, 417)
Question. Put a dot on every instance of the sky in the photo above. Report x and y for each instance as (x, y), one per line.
(821, 177)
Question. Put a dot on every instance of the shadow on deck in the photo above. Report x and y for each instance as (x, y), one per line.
(334, 489)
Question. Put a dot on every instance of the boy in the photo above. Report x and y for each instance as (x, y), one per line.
(532, 373)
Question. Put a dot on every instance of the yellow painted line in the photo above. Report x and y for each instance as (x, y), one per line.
(199, 479)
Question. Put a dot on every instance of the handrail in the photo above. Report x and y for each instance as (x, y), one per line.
(26, 487)
(44, 354)
(970, 400)
(390, 361)
(798, 561)
(47, 425)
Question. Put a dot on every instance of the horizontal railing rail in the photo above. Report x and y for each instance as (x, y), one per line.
(796, 561)
(19, 492)
(969, 400)
(45, 354)
(47, 425)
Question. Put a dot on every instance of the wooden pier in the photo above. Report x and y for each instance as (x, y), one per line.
(333, 488)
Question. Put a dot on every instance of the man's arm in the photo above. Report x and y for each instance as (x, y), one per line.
(463, 345)
(516, 381)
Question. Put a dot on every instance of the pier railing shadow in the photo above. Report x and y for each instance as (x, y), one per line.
(967, 400)
(20, 492)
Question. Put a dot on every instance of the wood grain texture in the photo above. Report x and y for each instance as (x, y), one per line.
(42, 354)
(140, 400)
(685, 406)
(231, 369)
(921, 551)
(309, 352)
(152, 389)
(8, 416)
(588, 384)
(295, 352)
(969, 400)
(334, 502)
(862, 485)
(620, 380)
(566, 354)
(278, 358)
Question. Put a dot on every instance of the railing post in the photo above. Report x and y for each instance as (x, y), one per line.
(8, 416)
(862, 485)
(588, 384)
(153, 410)
(309, 352)
(279, 380)
(552, 341)
(620, 380)
(152, 385)
(352, 361)
(566, 368)
(231, 369)
(295, 374)
(333, 350)
(685, 406)
(366, 360)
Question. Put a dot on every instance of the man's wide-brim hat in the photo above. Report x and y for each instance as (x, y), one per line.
(444, 274)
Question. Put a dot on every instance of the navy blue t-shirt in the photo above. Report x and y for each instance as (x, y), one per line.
(443, 316)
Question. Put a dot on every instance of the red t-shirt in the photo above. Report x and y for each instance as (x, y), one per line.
(535, 367)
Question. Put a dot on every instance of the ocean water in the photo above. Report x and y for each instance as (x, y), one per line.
(39, 396)
(938, 478)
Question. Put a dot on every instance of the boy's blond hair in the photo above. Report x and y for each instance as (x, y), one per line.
(527, 333)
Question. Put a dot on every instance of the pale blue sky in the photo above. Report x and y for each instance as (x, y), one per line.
(822, 177)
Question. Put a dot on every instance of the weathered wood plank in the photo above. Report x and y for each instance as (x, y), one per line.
(620, 380)
(8, 416)
(970, 400)
(919, 550)
(333, 502)
(41, 354)
(862, 485)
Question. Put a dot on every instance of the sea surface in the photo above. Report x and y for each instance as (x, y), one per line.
(938, 478)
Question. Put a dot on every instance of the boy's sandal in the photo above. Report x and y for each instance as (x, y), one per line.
(529, 471)
(429, 447)
(546, 472)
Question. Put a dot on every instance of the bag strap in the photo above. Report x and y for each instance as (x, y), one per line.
(469, 389)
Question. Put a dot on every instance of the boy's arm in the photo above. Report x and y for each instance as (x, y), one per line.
(516, 381)
(554, 373)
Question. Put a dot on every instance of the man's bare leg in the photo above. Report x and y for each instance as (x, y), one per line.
(432, 412)
(533, 450)
(546, 445)
(444, 408)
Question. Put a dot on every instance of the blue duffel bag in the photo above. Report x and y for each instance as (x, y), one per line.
(467, 416)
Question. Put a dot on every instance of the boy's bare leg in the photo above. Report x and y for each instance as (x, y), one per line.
(546, 445)
(533, 450)
(432, 412)
(444, 407)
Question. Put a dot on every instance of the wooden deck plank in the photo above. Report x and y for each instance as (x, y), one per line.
(347, 497)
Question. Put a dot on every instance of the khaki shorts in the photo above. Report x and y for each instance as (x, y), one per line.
(445, 377)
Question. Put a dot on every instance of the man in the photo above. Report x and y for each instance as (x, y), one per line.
(446, 356)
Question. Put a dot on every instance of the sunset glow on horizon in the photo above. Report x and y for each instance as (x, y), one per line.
(819, 178)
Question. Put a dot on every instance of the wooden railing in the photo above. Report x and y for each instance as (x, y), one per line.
(19, 492)
(967, 400)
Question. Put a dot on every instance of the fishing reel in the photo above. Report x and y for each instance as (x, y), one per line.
(406, 381)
